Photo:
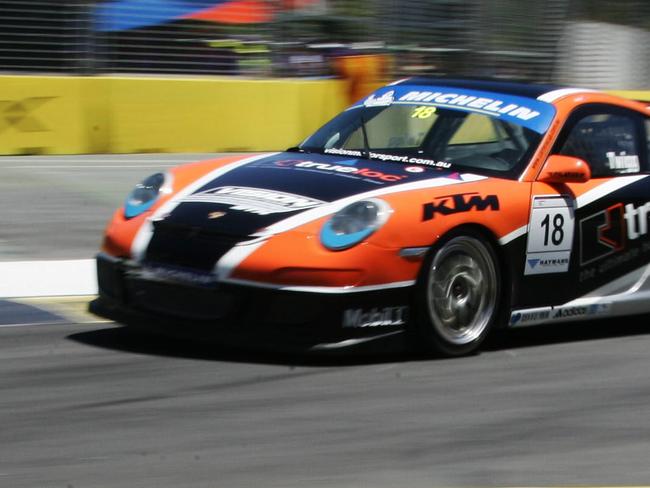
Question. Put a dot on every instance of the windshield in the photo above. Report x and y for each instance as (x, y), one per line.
(414, 131)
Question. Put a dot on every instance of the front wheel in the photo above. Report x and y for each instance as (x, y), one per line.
(458, 294)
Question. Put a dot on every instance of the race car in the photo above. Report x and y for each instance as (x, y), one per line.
(434, 210)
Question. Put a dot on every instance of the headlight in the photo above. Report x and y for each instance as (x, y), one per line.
(352, 224)
(145, 194)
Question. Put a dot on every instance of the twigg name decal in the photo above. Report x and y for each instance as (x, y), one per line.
(254, 200)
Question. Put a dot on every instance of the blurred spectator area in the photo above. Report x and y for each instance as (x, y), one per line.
(595, 43)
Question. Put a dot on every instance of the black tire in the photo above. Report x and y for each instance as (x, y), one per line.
(458, 295)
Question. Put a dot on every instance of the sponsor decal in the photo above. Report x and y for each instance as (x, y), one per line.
(534, 114)
(489, 105)
(344, 169)
(463, 202)
(342, 152)
(602, 234)
(565, 174)
(550, 235)
(390, 157)
(533, 316)
(636, 219)
(216, 215)
(544, 263)
(380, 101)
(254, 200)
(375, 317)
(530, 317)
(613, 262)
(623, 163)
(160, 273)
(605, 236)
(568, 312)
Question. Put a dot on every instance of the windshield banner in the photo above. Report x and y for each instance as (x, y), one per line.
(527, 112)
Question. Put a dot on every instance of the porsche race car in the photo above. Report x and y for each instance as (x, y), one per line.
(435, 209)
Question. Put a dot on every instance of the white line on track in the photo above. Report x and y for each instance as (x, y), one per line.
(47, 278)
(32, 324)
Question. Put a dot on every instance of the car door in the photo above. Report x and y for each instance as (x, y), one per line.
(590, 237)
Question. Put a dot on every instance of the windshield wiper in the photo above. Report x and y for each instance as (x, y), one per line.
(296, 149)
(366, 146)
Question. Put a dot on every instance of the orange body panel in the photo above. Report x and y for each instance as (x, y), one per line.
(377, 260)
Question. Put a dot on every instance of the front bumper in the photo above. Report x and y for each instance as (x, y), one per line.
(190, 304)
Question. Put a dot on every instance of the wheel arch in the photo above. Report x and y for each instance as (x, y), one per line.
(504, 264)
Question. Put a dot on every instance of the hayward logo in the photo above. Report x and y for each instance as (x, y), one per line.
(549, 262)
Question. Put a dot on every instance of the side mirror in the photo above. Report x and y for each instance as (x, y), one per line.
(564, 169)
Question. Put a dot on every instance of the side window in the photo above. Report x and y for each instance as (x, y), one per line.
(608, 140)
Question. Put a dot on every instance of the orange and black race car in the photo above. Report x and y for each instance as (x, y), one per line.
(434, 210)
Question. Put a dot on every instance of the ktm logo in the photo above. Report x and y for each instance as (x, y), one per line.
(463, 202)
(19, 114)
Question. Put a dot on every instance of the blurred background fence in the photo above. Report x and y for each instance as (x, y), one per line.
(595, 43)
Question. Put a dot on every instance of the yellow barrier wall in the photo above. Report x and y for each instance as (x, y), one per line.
(633, 94)
(76, 115)
(50, 115)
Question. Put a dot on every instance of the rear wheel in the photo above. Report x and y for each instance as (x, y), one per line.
(459, 294)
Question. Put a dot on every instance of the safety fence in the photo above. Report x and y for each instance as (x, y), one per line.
(595, 43)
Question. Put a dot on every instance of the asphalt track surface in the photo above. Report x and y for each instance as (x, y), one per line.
(92, 404)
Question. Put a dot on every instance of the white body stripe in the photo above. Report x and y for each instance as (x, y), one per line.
(513, 235)
(233, 258)
(606, 188)
(323, 210)
(142, 238)
(627, 295)
(583, 200)
(551, 96)
(321, 289)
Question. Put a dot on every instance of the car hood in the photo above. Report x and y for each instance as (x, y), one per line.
(242, 199)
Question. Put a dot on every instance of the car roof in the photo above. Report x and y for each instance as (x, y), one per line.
(530, 90)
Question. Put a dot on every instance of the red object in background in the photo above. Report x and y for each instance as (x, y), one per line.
(297, 4)
(237, 12)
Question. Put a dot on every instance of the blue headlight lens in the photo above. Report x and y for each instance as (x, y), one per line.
(144, 195)
(354, 223)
